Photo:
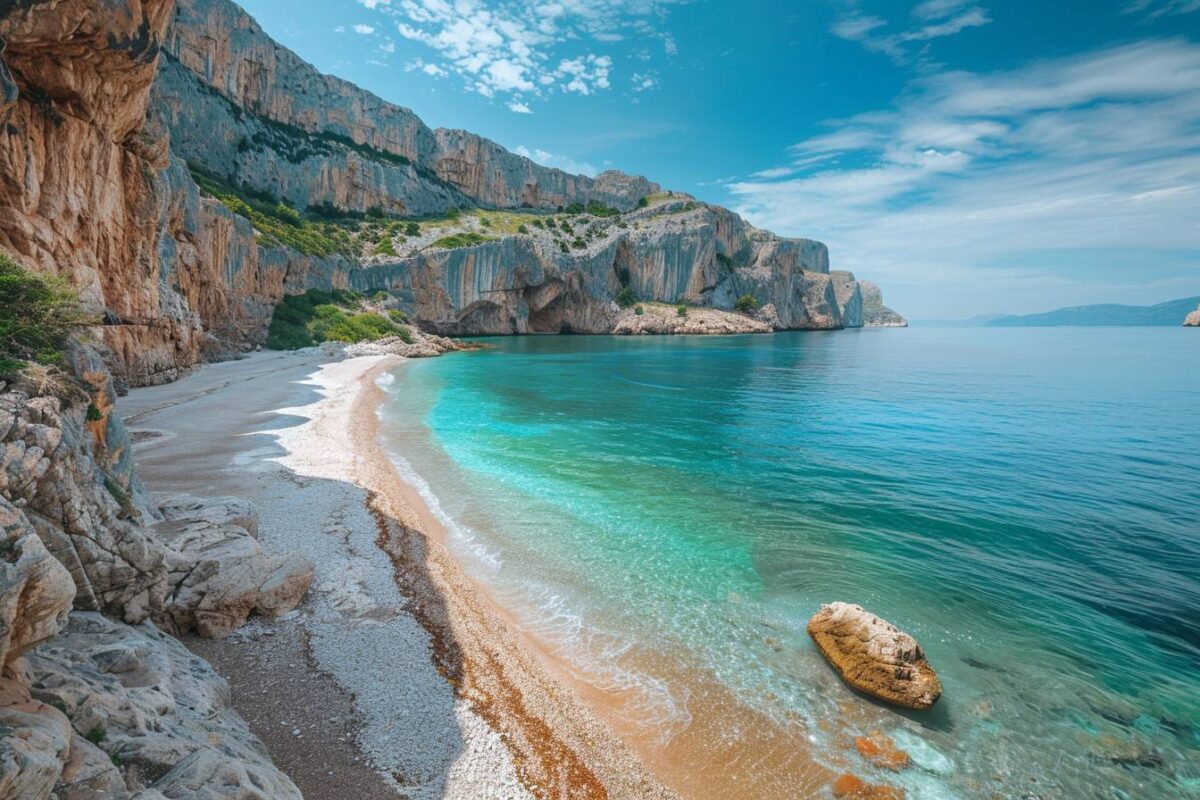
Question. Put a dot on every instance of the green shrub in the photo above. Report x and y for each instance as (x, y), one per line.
(563, 246)
(522, 229)
(540, 224)
(681, 310)
(724, 260)
(316, 316)
(465, 239)
(550, 223)
(93, 414)
(405, 333)
(746, 303)
(96, 735)
(626, 297)
(639, 310)
(37, 315)
(485, 222)
(643, 202)
(397, 316)
(412, 229)
(566, 226)
(385, 248)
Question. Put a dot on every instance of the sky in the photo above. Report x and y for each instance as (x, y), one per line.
(969, 157)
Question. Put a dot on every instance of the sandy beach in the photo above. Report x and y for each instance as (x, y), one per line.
(396, 677)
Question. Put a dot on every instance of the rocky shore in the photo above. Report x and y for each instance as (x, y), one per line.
(1193, 319)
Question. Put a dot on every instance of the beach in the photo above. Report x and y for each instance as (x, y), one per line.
(396, 676)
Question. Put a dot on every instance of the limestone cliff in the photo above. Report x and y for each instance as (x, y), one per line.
(1193, 319)
(103, 113)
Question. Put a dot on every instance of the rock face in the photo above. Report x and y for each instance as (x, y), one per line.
(1193, 319)
(874, 657)
(105, 709)
(875, 313)
(657, 319)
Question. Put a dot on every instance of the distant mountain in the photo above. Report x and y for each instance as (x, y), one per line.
(1170, 313)
(971, 322)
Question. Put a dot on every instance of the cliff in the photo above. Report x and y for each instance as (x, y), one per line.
(98, 167)
(1193, 319)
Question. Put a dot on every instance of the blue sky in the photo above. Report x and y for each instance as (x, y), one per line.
(971, 157)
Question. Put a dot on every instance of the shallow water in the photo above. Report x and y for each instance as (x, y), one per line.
(1025, 502)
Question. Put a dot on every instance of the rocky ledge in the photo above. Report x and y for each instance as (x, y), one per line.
(874, 656)
(1193, 319)
(659, 318)
(99, 701)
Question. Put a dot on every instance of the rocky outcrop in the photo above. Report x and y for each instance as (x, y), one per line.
(874, 656)
(417, 344)
(159, 717)
(658, 319)
(874, 313)
(1193, 319)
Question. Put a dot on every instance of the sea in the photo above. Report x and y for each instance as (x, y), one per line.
(664, 514)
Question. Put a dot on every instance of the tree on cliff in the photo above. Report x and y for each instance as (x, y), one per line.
(37, 314)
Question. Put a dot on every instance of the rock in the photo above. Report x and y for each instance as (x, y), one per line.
(35, 742)
(1193, 319)
(658, 318)
(161, 712)
(874, 657)
(874, 313)
(224, 575)
(36, 591)
(420, 345)
(851, 787)
(881, 751)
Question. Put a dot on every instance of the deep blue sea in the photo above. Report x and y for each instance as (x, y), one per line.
(1025, 502)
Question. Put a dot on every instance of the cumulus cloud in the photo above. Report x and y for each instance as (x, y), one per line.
(519, 107)
(527, 49)
(1048, 175)
(365, 30)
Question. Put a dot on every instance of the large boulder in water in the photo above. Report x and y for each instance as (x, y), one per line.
(875, 656)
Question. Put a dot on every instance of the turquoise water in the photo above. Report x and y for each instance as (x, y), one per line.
(1025, 502)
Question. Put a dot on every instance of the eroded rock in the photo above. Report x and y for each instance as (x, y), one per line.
(874, 656)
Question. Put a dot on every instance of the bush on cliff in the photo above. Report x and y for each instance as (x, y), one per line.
(626, 297)
(304, 320)
(456, 240)
(37, 315)
(746, 304)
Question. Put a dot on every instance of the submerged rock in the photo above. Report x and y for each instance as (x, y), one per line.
(874, 656)
(851, 787)
(880, 750)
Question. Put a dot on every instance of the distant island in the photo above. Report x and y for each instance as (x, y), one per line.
(1171, 313)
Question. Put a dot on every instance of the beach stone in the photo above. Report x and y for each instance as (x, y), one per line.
(881, 751)
(852, 787)
(874, 656)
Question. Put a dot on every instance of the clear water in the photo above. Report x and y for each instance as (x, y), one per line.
(1025, 502)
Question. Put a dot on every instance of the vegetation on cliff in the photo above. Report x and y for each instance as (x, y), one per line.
(278, 223)
(304, 320)
(465, 239)
(37, 315)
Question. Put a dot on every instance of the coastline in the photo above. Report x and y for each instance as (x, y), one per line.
(396, 659)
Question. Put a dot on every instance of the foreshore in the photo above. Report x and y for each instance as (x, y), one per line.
(396, 677)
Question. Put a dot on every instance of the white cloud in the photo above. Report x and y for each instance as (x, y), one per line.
(373, 4)
(531, 48)
(1002, 181)
(643, 81)
(933, 19)
(1153, 9)
(565, 163)
(518, 107)
(365, 30)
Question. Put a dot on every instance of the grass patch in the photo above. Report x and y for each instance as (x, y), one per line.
(38, 313)
(96, 735)
(464, 239)
(594, 208)
(304, 320)
(626, 297)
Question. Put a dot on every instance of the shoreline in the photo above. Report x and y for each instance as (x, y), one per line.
(425, 678)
